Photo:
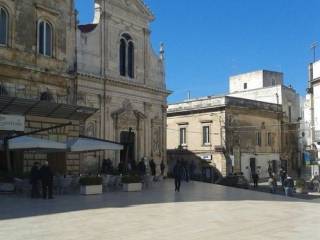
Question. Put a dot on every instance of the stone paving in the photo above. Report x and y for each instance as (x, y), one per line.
(200, 211)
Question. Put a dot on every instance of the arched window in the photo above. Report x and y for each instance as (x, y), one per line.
(45, 35)
(126, 55)
(123, 49)
(131, 60)
(4, 23)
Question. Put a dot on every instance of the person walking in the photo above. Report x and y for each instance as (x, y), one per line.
(162, 167)
(178, 174)
(34, 180)
(272, 182)
(152, 167)
(142, 169)
(46, 176)
(283, 176)
(288, 186)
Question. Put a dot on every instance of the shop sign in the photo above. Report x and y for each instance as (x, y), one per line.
(12, 123)
(206, 157)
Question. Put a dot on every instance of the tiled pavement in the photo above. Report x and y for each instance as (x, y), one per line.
(199, 211)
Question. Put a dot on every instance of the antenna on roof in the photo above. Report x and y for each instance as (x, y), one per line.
(314, 49)
(189, 95)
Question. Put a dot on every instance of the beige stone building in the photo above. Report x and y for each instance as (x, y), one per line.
(53, 72)
(120, 74)
(232, 134)
(37, 42)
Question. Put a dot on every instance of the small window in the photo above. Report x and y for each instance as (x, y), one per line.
(269, 138)
(3, 26)
(206, 135)
(289, 114)
(258, 138)
(183, 136)
(45, 38)
(245, 85)
(126, 56)
(273, 82)
(123, 47)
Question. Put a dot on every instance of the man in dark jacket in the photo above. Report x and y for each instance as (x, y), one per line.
(46, 175)
(142, 167)
(152, 167)
(162, 167)
(34, 180)
(178, 174)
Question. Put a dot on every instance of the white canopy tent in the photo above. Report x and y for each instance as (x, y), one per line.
(82, 144)
(85, 144)
(31, 143)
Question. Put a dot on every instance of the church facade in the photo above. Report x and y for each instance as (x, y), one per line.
(101, 80)
(119, 73)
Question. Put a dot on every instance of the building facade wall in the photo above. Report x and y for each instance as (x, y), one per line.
(254, 80)
(26, 74)
(138, 103)
(233, 133)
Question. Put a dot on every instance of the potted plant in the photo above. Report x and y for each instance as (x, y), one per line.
(132, 183)
(90, 185)
(300, 186)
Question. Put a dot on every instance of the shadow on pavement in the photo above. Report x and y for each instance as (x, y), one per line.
(12, 206)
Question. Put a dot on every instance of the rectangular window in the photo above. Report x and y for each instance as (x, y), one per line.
(206, 135)
(289, 114)
(245, 85)
(48, 39)
(183, 136)
(3, 26)
(258, 138)
(269, 139)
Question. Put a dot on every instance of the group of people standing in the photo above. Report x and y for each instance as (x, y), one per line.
(43, 175)
(140, 168)
(287, 182)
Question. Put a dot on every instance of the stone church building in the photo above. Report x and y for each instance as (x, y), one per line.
(120, 74)
(101, 80)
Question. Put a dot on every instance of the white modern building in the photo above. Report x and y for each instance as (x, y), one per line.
(312, 108)
(267, 86)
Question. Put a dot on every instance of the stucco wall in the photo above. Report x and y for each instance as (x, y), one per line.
(254, 80)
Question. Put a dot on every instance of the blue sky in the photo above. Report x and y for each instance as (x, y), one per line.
(209, 40)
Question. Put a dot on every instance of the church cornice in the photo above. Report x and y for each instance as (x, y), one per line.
(123, 83)
(144, 13)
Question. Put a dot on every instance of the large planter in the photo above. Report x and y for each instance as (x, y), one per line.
(132, 187)
(91, 189)
(300, 190)
(7, 187)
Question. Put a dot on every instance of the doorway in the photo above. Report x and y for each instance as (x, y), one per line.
(253, 165)
(127, 139)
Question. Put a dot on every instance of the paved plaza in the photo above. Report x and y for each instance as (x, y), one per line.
(200, 211)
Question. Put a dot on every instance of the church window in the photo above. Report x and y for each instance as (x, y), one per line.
(3, 26)
(45, 36)
(126, 55)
